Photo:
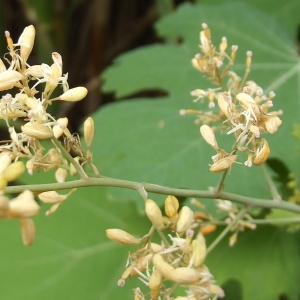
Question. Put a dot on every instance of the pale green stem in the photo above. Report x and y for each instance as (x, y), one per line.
(283, 221)
(238, 217)
(271, 185)
(221, 183)
(153, 188)
(69, 157)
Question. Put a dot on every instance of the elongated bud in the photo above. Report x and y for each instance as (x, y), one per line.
(73, 170)
(23, 206)
(13, 171)
(162, 266)
(207, 229)
(37, 131)
(185, 219)
(154, 214)
(122, 237)
(171, 206)
(8, 79)
(184, 275)
(52, 197)
(26, 42)
(61, 175)
(223, 164)
(209, 136)
(155, 281)
(89, 129)
(27, 231)
(262, 154)
(198, 252)
(247, 101)
(5, 160)
(3, 183)
(75, 94)
(58, 129)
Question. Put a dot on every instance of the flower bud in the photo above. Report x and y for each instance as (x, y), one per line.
(37, 131)
(155, 281)
(60, 175)
(198, 252)
(75, 94)
(58, 129)
(262, 154)
(23, 206)
(171, 206)
(13, 171)
(8, 79)
(154, 214)
(27, 231)
(122, 237)
(209, 136)
(185, 275)
(185, 219)
(162, 266)
(5, 160)
(52, 197)
(89, 129)
(223, 164)
(3, 183)
(26, 42)
(247, 101)
(272, 124)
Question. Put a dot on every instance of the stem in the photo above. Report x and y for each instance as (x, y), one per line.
(271, 185)
(69, 157)
(221, 183)
(153, 188)
(283, 221)
(238, 217)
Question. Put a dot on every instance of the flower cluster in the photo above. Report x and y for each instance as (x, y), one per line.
(177, 262)
(242, 107)
(23, 108)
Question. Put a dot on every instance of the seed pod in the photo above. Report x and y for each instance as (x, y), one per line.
(171, 206)
(262, 154)
(184, 275)
(122, 237)
(27, 231)
(37, 131)
(185, 219)
(8, 79)
(23, 206)
(223, 164)
(89, 129)
(26, 42)
(154, 214)
(209, 136)
(13, 171)
(75, 94)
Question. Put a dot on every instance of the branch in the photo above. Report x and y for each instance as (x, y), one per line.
(153, 188)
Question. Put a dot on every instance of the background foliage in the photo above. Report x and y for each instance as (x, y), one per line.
(143, 138)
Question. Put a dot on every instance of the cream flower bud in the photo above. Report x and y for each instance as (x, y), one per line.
(185, 219)
(37, 131)
(88, 129)
(162, 266)
(8, 79)
(225, 104)
(122, 237)
(27, 231)
(154, 214)
(198, 252)
(171, 206)
(13, 171)
(184, 275)
(75, 94)
(26, 42)
(23, 206)
(209, 136)
(3, 183)
(262, 154)
(61, 175)
(272, 124)
(52, 197)
(156, 247)
(59, 128)
(247, 101)
(155, 281)
(223, 164)
(5, 160)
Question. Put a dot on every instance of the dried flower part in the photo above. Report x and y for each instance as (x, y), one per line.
(53, 209)
(27, 230)
(262, 154)
(248, 102)
(26, 42)
(272, 124)
(185, 219)
(13, 171)
(154, 214)
(122, 237)
(9, 78)
(75, 94)
(185, 275)
(198, 252)
(207, 229)
(171, 206)
(23, 206)
(223, 164)
(37, 131)
(209, 136)
(155, 281)
(225, 104)
(89, 130)
(59, 128)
